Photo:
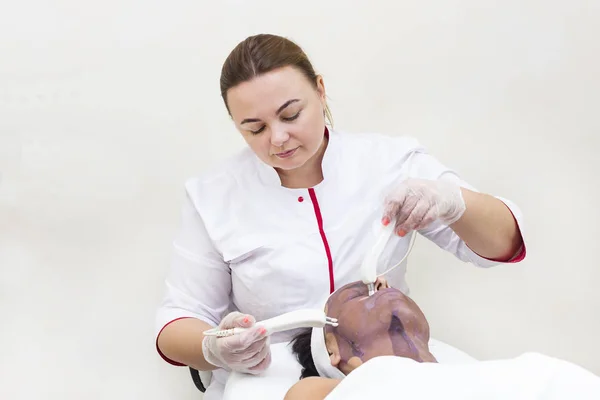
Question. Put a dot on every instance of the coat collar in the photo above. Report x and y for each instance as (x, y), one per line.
(270, 177)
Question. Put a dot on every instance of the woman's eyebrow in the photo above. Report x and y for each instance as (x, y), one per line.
(287, 103)
(248, 120)
(279, 110)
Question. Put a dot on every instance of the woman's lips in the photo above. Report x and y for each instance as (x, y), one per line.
(287, 154)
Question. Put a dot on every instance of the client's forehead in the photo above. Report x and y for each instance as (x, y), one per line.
(357, 288)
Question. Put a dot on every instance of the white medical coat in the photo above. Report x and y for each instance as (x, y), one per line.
(246, 243)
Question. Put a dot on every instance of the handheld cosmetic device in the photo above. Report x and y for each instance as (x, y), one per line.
(305, 318)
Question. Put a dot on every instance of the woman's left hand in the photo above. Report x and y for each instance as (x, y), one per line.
(416, 203)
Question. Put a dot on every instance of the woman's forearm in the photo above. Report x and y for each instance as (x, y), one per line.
(488, 227)
(181, 341)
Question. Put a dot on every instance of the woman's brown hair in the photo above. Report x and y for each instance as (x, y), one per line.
(259, 54)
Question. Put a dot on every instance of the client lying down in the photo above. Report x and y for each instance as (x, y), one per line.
(382, 346)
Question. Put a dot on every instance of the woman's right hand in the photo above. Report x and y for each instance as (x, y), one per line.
(247, 352)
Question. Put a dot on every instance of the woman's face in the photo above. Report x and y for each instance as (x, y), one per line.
(386, 323)
(280, 115)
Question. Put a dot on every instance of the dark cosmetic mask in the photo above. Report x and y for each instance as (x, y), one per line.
(386, 323)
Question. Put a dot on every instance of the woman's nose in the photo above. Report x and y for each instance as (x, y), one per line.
(279, 137)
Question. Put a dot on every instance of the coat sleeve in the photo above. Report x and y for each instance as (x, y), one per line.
(198, 283)
(423, 165)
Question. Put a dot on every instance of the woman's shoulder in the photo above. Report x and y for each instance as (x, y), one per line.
(221, 178)
(314, 387)
(382, 141)
(382, 151)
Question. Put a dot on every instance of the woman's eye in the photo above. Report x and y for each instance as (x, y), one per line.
(293, 117)
(258, 131)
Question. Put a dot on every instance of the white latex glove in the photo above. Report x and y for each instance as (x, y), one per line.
(247, 352)
(416, 203)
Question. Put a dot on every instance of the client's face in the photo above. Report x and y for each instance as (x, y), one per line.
(384, 324)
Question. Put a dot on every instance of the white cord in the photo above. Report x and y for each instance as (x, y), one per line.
(410, 246)
(414, 234)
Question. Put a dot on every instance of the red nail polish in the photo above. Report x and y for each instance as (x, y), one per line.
(246, 320)
(401, 233)
(385, 221)
(263, 331)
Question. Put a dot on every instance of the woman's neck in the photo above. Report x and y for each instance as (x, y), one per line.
(308, 175)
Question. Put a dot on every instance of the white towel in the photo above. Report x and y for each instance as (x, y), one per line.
(285, 371)
(529, 376)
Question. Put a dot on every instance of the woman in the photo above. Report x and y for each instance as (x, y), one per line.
(284, 222)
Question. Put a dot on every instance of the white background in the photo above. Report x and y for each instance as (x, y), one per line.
(107, 107)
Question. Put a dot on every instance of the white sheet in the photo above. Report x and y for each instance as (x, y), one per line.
(285, 371)
(529, 376)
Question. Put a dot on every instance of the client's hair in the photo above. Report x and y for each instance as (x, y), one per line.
(301, 348)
